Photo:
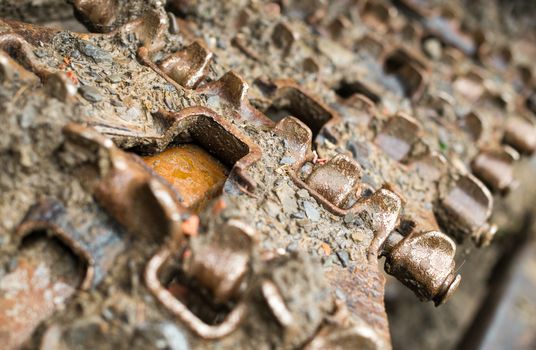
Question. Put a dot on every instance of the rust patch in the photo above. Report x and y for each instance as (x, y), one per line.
(32, 292)
(196, 174)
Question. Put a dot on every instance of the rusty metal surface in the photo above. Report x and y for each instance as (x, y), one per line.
(39, 284)
(344, 130)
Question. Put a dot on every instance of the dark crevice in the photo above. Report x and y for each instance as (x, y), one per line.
(191, 293)
(55, 254)
(291, 101)
(347, 89)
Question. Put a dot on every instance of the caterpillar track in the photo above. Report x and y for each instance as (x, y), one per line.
(228, 174)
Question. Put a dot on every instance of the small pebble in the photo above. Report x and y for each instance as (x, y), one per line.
(169, 102)
(272, 208)
(311, 211)
(340, 294)
(292, 247)
(302, 193)
(433, 49)
(40, 53)
(344, 258)
(114, 78)
(213, 101)
(75, 54)
(132, 114)
(329, 260)
(349, 218)
(107, 314)
(302, 222)
(163, 335)
(298, 215)
(286, 196)
(12, 264)
(306, 169)
(357, 236)
(369, 180)
(222, 44)
(94, 52)
(287, 160)
(27, 116)
(90, 93)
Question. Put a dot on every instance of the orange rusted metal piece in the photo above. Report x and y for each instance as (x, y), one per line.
(191, 170)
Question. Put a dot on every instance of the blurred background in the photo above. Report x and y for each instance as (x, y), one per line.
(495, 306)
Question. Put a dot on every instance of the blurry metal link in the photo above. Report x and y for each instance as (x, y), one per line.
(45, 277)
